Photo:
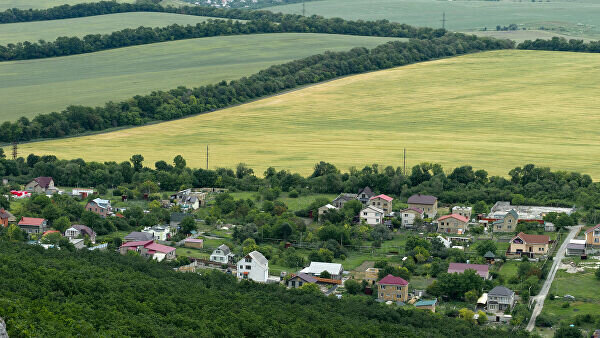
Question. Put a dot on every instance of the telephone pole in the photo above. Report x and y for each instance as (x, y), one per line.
(207, 157)
(404, 167)
(303, 8)
(444, 20)
(14, 153)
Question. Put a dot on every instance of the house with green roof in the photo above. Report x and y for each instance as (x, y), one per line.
(426, 305)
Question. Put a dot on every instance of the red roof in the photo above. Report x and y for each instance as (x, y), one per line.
(31, 221)
(593, 228)
(138, 243)
(383, 197)
(49, 232)
(392, 280)
(159, 247)
(481, 269)
(533, 239)
(456, 216)
(413, 209)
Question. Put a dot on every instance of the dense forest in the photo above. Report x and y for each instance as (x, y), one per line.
(181, 102)
(55, 293)
(561, 44)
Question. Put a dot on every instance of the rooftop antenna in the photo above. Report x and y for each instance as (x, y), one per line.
(444, 20)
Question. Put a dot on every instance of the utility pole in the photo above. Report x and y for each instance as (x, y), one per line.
(444, 20)
(404, 168)
(207, 157)
(14, 144)
(303, 9)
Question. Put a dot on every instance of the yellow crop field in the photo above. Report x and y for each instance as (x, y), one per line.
(493, 110)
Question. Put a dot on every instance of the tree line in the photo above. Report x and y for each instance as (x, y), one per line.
(181, 102)
(561, 44)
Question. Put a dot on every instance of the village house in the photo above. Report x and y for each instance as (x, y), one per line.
(500, 299)
(392, 288)
(463, 211)
(149, 249)
(136, 236)
(481, 269)
(592, 237)
(316, 268)
(222, 254)
(300, 279)
(342, 198)
(78, 230)
(427, 203)
(324, 209)
(549, 227)
(371, 275)
(426, 304)
(188, 199)
(525, 213)
(159, 232)
(576, 247)
(254, 266)
(409, 215)
(365, 194)
(33, 225)
(508, 223)
(371, 215)
(6, 217)
(196, 243)
(528, 245)
(453, 224)
(41, 185)
(100, 207)
(382, 202)
(82, 192)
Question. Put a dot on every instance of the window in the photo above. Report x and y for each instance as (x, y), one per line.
(509, 227)
(381, 294)
(596, 240)
(248, 260)
(293, 284)
(248, 267)
(299, 283)
(382, 287)
(241, 267)
(365, 213)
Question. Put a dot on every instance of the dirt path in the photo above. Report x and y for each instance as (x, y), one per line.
(539, 299)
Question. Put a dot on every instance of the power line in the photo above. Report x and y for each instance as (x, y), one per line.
(444, 20)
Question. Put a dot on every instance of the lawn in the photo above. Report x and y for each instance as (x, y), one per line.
(40, 4)
(294, 204)
(509, 269)
(189, 252)
(575, 18)
(101, 24)
(41, 86)
(493, 110)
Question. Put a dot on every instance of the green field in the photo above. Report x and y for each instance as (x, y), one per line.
(30, 87)
(493, 110)
(575, 18)
(101, 24)
(40, 4)
(293, 204)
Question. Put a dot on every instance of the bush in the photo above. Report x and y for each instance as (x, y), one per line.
(294, 194)
(544, 321)
(565, 305)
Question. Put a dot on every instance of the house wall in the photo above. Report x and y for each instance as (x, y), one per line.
(255, 272)
(34, 187)
(34, 229)
(408, 218)
(295, 282)
(93, 207)
(429, 210)
(451, 226)
(393, 292)
(508, 224)
(371, 217)
(593, 237)
(537, 249)
(382, 204)
(429, 307)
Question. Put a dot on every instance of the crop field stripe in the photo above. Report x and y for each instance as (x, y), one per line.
(28, 88)
(41, 4)
(493, 110)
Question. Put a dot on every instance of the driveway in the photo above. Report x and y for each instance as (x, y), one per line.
(539, 299)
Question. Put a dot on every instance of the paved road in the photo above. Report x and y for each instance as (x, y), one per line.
(560, 254)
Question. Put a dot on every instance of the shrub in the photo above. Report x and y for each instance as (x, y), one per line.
(294, 194)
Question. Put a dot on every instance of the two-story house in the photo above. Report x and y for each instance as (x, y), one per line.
(392, 288)
(100, 207)
(33, 225)
(508, 223)
(453, 224)
(371, 215)
(364, 195)
(159, 232)
(528, 245)
(427, 203)
(222, 254)
(382, 202)
(78, 230)
(500, 299)
(254, 266)
(41, 185)
(463, 211)
(592, 237)
(342, 198)
(409, 215)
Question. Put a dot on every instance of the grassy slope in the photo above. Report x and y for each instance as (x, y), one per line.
(493, 110)
(40, 86)
(39, 4)
(465, 15)
(102, 24)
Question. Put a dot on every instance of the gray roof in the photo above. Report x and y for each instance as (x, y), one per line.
(501, 291)
(367, 191)
(257, 256)
(345, 197)
(225, 249)
(306, 278)
(422, 199)
(84, 229)
(136, 236)
(489, 254)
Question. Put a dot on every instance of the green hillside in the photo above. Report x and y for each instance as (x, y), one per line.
(28, 88)
(26, 4)
(575, 18)
(101, 24)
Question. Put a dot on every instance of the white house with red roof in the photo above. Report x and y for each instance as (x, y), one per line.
(149, 249)
(482, 270)
(383, 202)
(392, 288)
(371, 215)
(33, 225)
(453, 224)
(409, 215)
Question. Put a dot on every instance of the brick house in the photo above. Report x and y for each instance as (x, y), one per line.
(6, 217)
(100, 207)
(41, 185)
(382, 202)
(392, 288)
(508, 223)
(427, 203)
(528, 245)
(453, 224)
